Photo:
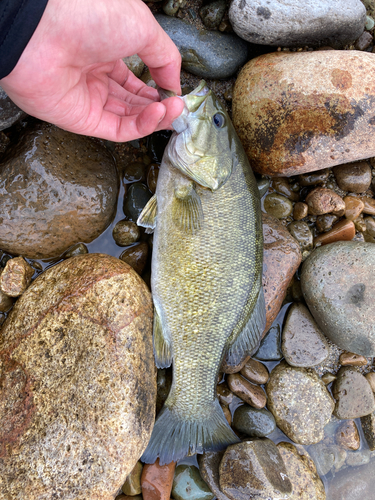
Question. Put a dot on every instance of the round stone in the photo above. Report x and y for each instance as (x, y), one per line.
(353, 394)
(302, 233)
(189, 485)
(135, 200)
(353, 207)
(209, 464)
(347, 435)
(136, 256)
(255, 372)
(253, 422)
(323, 201)
(278, 205)
(353, 177)
(300, 210)
(78, 396)
(125, 233)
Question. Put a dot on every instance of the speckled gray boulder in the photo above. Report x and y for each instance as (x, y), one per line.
(300, 403)
(334, 22)
(339, 287)
(9, 112)
(209, 54)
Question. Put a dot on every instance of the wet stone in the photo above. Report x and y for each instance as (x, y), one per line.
(300, 210)
(358, 458)
(347, 435)
(324, 222)
(302, 233)
(371, 380)
(270, 345)
(134, 172)
(368, 427)
(364, 41)
(353, 177)
(303, 343)
(250, 393)
(338, 287)
(253, 422)
(79, 249)
(209, 464)
(353, 207)
(136, 256)
(369, 205)
(16, 277)
(278, 205)
(189, 485)
(132, 485)
(135, 200)
(281, 258)
(152, 177)
(342, 231)
(328, 378)
(358, 485)
(300, 403)
(6, 302)
(353, 394)
(212, 13)
(282, 186)
(263, 185)
(323, 201)
(313, 178)
(10, 113)
(255, 372)
(254, 468)
(224, 394)
(125, 233)
(225, 368)
(157, 480)
(302, 473)
(227, 414)
(327, 457)
(349, 358)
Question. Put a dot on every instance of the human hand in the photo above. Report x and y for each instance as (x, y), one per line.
(71, 73)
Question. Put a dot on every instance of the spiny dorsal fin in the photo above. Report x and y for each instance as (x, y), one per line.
(148, 215)
(162, 347)
(187, 212)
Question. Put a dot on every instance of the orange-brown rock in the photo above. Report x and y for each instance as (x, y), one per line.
(351, 359)
(15, 277)
(136, 256)
(250, 393)
(353, 207)
(369, 205)
(157, 481)
(78, 391)
(323, 201)
(304, 111)
(342, 231)
(255, 371)
(281, 258)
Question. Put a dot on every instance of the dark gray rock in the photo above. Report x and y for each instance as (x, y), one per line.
(292, 23)
(209, 54)
(253, 422)
(338, 286)
(10, 113)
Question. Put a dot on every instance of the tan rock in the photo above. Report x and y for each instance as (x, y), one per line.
(132, 485)
(304, 111)
(353, 207)
(351, 359)
(300, 210)
(256, 372)
(281, 258)
(323, 201)
(16, 277)
(250, 393)
(369, 205)
(78, 390)
(6, 302)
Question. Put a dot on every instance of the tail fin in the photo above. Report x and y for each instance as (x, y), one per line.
(174, 437)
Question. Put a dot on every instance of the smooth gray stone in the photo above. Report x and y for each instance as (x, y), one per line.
(339, 288)
(10, 113)
(209, 54)
(295, 23)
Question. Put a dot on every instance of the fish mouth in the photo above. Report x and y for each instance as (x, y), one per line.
(192, 102)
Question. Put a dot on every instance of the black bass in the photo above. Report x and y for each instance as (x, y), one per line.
(206, 274)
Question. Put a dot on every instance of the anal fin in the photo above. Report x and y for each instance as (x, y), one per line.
(162, 347)
(148, 215)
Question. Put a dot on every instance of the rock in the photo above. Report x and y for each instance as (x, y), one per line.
(212, 13)
(209, 464)
(338, 288)
(16, 277)
(254, 468)
(6, 302)
(323, 201)
(79, 249)
(157, 481)
(328, 377)
(353, 394)
(58, 189)
(336, 23)
(78, 395)
(282, 186)
(263, 184)
(300, 403)
(301, 232)
(277, 205)
(303, 343)
(300, 210)
(347, 435)
(314, 178)
(302, 473)
(371, 380)
(363, 41)
(224, 394)
(255, 372)
(270, 345)
(281, 258)
(10, 113)
(358, 485)
(324, 222)
(368, 427)
(135, 64)
(368, 205)
(125, 233)
(136, 199)
(291, 109)
(132, 485)
(327, 457)
(152, 177)
(342, 231)
(225, 368)
(208, 54)
(353, 207)
(253, 422)
(356, 458)
(189, 485)
(134, 172)
(250, 393)
(348, 358)
(353, 177)
(136, 256)
(227, 414)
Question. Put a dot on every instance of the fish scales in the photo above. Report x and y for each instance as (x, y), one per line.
(206, 283)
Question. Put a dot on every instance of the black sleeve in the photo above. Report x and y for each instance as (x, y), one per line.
(18, 21)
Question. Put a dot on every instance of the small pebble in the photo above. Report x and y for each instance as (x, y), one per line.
(347, 435)
(281, 185)
(370, 23)
(171, 7)
(212, 13)
(255, 372)
(325, 222)
(368, 427)
(353, 207)
(253, 422)
(136, 256)
(134, 172)
(250, 393)
(135, 64)
(353, 177)
(371, 380)
(302, 233)
(316, 178)
(79, 249)
(270, 345)
(278, 205)
(152, 177)
(189, 485)
(358, 458)
(132, 485)
(360, 224)
(342, 231)
(370, 226)
(322, 201)
(156, 481)
(351, 359)
(328, 378)
(16, 277)
(369, 205)
(224, 394)
(6, 302)
(363, 41)
(137, 197)
(125, 233)
(300, 210)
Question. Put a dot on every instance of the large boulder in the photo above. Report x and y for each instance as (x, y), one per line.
(78, 382)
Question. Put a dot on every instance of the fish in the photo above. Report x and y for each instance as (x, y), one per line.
(206, 274)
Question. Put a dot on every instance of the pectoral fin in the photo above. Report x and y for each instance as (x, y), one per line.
(162, 346)
(148, 215)
(187, 212)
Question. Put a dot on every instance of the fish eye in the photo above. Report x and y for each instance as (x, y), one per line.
(219, 120)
